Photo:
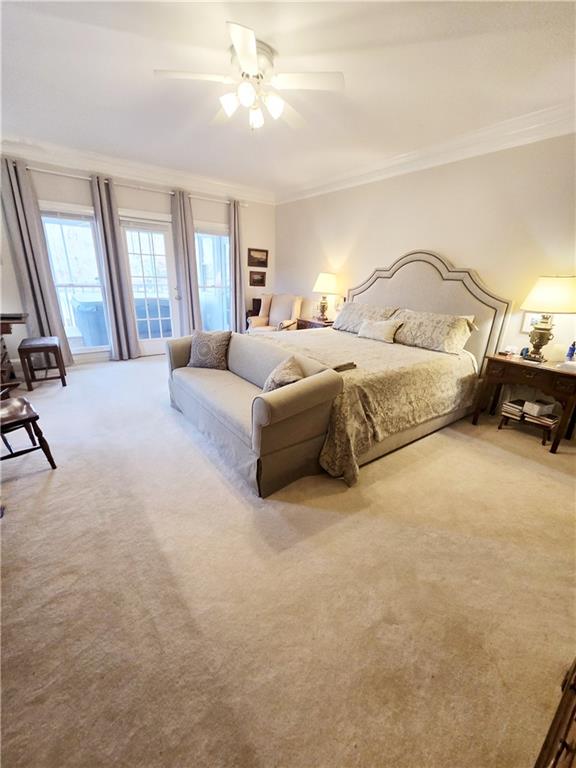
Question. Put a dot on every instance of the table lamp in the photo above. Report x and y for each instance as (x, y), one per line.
(325, 284)
(549, 296)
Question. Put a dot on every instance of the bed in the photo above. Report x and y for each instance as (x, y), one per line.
(396, 393)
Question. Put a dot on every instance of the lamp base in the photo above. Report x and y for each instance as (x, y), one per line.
(540, 335)
(323, 307)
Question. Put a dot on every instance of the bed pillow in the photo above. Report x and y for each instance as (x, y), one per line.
(286, 372)
(443, 333)
(209, 349)
(351, 316)
(379, 330)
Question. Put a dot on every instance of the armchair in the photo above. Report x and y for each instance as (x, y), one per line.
(278, 312)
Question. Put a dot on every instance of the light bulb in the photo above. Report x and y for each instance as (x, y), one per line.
(274, 105)
(256, 117)
(246, 93)
(229, 103)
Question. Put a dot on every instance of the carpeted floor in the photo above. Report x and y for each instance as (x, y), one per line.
(156, 614)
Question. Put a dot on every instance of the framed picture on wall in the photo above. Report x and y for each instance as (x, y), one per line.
(258, 279)
(529, 319)
(257, 257)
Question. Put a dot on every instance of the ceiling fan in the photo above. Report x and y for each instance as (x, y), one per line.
(255, 83)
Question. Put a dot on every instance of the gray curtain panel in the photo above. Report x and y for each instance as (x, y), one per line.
(117, 284)
(185, 257)
(237, 302)
(30, 253)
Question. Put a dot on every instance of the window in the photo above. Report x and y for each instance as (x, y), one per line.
(149, 273)
(74, 262)
(213, 260)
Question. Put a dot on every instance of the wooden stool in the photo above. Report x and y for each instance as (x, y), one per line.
(17, 413)
(44, 345)
(546, 431)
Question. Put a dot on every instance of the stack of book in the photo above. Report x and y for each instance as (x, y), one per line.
(548, 421)
(532, 412)
(513, 409)
(538, 407)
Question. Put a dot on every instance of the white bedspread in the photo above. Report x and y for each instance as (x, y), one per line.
(393, 388)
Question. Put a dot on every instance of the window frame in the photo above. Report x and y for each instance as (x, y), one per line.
(214, 229)
(71, 212)
(153, 222)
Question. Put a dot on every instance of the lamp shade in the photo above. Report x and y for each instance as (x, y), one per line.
(326, 283)
(552, 295)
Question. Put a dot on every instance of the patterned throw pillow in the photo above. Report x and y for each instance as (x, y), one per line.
(209, 349)
(380, 330)
(443, 333)
(351, 316)
(286, 372)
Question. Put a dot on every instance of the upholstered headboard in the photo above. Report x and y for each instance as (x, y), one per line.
(427, 282)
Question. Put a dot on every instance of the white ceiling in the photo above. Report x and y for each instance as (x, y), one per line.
(417, 75)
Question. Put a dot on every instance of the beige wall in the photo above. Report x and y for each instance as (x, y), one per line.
(509, 215)
(10, 295)
(258, 230)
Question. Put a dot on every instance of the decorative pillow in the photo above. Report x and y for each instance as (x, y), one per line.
(351, 316)
(444, 333)
(286, 372)
(380, 330)
(209, 349)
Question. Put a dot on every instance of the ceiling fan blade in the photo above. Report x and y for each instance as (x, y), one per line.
(244, 42)
(309, 81)
(220, 118)
(175, 74)
(291, 117)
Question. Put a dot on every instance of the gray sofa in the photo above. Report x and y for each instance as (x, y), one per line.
(270, 438)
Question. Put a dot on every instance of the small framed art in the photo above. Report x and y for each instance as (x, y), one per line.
(258, 279)
(529, 319)
(257, 257)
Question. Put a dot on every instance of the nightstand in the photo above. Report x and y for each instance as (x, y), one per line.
(312, 322)
(546, 377)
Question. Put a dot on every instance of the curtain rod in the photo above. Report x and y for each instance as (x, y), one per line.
(58, 173)
(127, 186)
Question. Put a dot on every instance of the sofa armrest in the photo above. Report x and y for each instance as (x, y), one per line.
(272, 407)
(178, 352)
(286, 325)
(257, 320)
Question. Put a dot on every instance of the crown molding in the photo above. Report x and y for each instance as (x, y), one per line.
(518, 131)
(57, 156)
(526, 129)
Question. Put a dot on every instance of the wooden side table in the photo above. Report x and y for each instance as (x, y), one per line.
(559, 748)
(312, 322)
(7, 371)
(550, 380)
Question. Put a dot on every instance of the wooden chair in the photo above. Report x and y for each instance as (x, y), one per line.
(18, 413)
(46, 346)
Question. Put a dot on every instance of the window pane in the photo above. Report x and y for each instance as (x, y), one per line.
(143, 329)
(158, 244)
(152, 307)
(145, 241)
(133, 243)
(75, 270)
(161, 270)
(148, 265)
(135, 264)
(212, 255)
(149, 273)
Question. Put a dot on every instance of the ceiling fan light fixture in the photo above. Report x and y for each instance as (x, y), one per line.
(230, 103)
(246, 93)
(274, 105)
(256, 118)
